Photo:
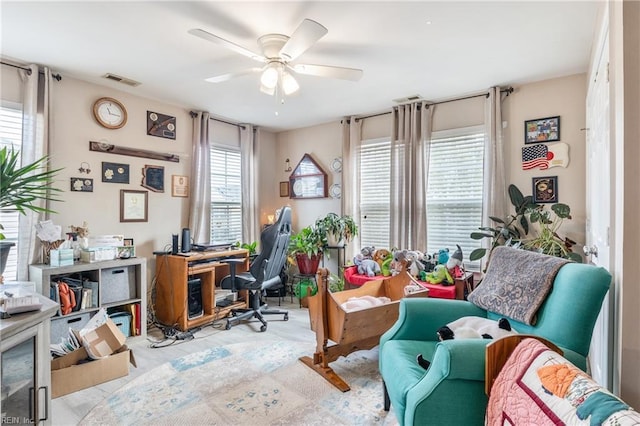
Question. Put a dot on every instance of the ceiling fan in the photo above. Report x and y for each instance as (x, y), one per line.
(278, 51)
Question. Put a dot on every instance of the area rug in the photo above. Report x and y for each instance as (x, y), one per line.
(242, 384)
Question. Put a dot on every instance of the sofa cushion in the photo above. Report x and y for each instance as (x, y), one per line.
(516, 283)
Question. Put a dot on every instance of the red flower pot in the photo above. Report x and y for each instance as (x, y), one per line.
(308, 265)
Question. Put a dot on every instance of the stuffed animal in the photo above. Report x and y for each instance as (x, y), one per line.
(416, 265)
(471, 328)
(454, 264)
(439, 275)
(367, 252)
(367, 267)
(386, 266)
(381, 255)
(398, 257)
(443, 256)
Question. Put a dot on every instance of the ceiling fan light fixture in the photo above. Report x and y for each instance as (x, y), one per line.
(268, 90)
(289, 84)
(269, 77)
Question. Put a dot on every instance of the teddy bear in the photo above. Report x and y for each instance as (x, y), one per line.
(471, 327)
(366, 266)
(381, 255)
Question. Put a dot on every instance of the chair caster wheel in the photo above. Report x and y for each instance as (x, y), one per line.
(286, 317)
(263, 328)
(228, 326)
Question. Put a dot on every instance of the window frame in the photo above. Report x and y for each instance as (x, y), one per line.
(221, 206)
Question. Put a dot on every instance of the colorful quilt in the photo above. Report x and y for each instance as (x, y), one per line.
(539, 387)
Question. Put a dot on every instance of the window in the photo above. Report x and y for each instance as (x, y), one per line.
(226, 196)
(10, 136)
(375, 192)
(454, 193)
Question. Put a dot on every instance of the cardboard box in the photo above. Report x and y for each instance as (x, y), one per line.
(70, 374)
(104, 340)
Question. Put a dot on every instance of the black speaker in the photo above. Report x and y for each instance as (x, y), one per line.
(174, 243)
(194, 298)
(186, 240)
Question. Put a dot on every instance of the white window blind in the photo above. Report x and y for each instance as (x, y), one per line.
(226, 196)
(10, 136)
(375, 192)
(454, 194)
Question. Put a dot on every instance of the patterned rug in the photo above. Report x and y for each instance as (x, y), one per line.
(242, 384)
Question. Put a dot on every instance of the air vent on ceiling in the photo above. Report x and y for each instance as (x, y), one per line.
(122, 80)
(406, 99)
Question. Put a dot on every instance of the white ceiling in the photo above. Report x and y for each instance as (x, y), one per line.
(466, 48)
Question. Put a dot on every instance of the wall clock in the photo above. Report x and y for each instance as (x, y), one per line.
(110, 113)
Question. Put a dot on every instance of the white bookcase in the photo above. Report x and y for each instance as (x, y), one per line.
(119, 282)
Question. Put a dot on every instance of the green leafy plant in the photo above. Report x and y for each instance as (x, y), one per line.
(22, 186)
(336, 283)
(514, 229)
(310, 240)
(252, 247)
(342, 228)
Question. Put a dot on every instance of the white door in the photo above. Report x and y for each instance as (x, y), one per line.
(599, 202)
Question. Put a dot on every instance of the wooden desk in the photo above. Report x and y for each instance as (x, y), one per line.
(172, 274)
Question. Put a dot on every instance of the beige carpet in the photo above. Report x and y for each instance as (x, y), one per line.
(241, 384)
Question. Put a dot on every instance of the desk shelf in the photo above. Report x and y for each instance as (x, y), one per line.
(172, 274)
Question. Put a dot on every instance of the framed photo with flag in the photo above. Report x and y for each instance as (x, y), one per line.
(544, 156)
(542, 130)
(545, 189)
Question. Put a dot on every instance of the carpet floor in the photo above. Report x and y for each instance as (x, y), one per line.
(247, 384)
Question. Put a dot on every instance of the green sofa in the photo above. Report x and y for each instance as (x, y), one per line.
(451, 391)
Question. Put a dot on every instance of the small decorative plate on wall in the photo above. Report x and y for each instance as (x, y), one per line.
(335, 190)
(336, 165)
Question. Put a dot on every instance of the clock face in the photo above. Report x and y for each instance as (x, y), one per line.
(110, 113)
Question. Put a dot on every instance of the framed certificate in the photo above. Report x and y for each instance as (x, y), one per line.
(133, 205)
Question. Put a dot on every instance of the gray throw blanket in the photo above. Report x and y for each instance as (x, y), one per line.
(516, 283)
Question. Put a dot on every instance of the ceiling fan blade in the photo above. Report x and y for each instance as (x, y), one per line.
(226, 43)
(229, 76)
(305, 36)
(342, 73)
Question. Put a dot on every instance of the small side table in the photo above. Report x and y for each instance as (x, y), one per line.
(464, 286)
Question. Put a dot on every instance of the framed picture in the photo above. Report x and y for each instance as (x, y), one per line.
(284, 189)
(161, 125)
(545, 189)
(542, 130)
(153, 178)
(128, 242)
(179, 186)
(81, 184)
(134, 205)
(115, 172)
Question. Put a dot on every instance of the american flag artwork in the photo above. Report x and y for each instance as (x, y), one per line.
(544, 156)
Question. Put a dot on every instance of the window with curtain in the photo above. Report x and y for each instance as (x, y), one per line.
(226, 196)
(375, 192)
(10, 136)
(454, 194)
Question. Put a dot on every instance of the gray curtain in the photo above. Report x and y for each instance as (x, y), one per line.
(250, 197)
(35, 144)
(494, 202)
(350, 198)
(200, 196)
(410, 140)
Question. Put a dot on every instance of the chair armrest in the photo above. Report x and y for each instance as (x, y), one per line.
(420, 318)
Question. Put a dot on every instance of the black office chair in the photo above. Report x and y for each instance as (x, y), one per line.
(264, 272)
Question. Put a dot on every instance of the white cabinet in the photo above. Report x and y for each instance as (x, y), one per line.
(121, 285)
(25, 367)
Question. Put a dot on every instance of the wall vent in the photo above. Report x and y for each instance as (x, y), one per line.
(122, 80)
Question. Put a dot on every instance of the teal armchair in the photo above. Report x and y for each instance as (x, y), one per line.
(451, 390)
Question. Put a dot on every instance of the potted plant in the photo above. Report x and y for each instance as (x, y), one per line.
(20, 187)
(307, 246)
(338, 229)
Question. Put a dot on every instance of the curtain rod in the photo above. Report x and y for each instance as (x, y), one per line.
(58, 77)
(508, 91)
(193, 114)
